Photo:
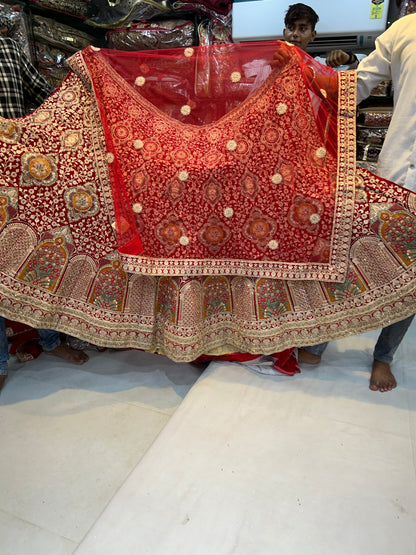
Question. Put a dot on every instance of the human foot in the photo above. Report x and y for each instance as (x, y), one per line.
(382, 378)
(307, 357)
(69, 354)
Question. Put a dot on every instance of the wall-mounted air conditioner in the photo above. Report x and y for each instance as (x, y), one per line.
(349, 25)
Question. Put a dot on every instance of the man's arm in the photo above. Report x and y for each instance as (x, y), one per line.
(337, 58)
(376, 67)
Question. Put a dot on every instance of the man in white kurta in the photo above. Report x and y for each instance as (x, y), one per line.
(394, 58)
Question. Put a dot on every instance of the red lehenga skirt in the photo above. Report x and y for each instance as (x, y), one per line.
(200, 202)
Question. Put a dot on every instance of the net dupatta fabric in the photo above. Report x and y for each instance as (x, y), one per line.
(148, 204)
(205, 180)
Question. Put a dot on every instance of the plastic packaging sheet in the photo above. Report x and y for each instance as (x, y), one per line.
(76, 8)
(13, 23)
(54, 43)
(207, 7)
(110, 14)
(152, 35)
(215, 30)
(375, 117)
(371, 135)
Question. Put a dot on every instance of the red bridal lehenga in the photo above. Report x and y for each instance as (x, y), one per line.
(200, 201)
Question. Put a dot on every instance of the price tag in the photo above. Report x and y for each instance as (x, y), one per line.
(377, 8)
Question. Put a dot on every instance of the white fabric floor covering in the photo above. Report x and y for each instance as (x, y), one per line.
(250, 464)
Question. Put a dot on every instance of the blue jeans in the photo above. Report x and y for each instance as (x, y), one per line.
(49, 339)
(387, 343)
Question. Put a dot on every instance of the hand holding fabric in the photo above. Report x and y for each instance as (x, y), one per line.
(282, 56)
(338, 58)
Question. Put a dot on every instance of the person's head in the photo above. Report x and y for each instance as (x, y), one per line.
(300, 21)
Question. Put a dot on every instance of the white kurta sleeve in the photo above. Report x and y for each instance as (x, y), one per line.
(375, 67)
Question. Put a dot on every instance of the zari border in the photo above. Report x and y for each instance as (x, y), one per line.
(220, 333)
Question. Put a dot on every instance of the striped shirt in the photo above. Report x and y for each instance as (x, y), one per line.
(21, 85)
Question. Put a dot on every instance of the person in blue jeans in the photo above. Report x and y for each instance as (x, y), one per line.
(394, 58)
(50, 341)
(23, 88)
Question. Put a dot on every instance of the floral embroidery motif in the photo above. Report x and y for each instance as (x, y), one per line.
(217, 297)
(273, 245)
(71, 140)
(321, 152)
(137, 208)
(167, 299)
(150, 149)
(175, 190)
(68, 96)
(81, 202)
(180, 157)
(212, 191)
(138, 144)
(321, 251)
(169, 232)
(231, 145)
(9, 131)
(38, 169)
(42, 115)
(243, 147)
(212, 159)
(304, 213)
(249, 185)
(214, 234)
(281, 108)
(235, 76)
(272, 136)
(398, 229)
(109, 286)
(139, 180)
(228, 212)
(46, 265)
(350, 288)
(184, 240)
(189, 52)
(259, 228)
(140, 81)
(273, 299)
(121, 132)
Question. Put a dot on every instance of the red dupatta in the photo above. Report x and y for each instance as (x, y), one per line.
(222, 165)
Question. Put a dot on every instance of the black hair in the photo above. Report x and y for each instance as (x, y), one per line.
(300, 11)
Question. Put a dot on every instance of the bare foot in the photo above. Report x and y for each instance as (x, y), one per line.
(24, 357)
(309, 358)
(69, 354)
(382, 378)
(2, 380)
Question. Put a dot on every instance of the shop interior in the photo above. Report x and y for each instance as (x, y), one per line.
(133, 453)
